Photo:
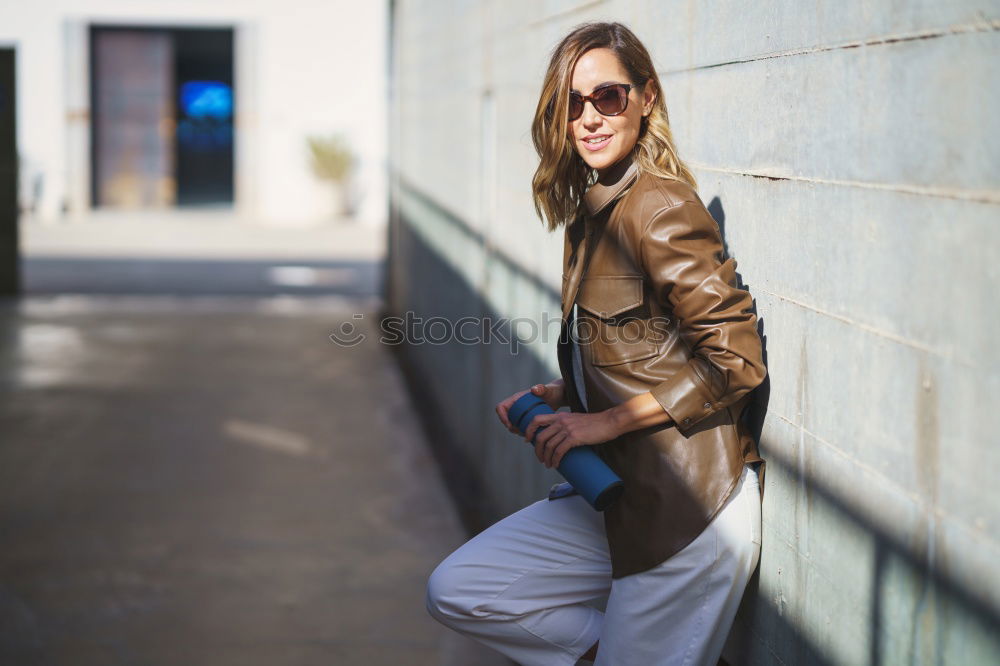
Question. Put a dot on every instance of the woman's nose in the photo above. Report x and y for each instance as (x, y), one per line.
(590, 114)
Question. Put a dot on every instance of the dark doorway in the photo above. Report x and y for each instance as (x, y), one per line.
(162, 104)
(10, 270)
(204, 74)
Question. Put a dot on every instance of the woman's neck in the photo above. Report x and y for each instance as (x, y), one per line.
(612, 173)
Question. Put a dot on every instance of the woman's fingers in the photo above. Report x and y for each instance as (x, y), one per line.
(503, 410)
(552, 394)
(544, 391)
(550, 447)
(538, 421)
(561, 449)
(548, 429)
(551, 438)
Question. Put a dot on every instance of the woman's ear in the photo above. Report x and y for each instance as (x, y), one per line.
(648, 97)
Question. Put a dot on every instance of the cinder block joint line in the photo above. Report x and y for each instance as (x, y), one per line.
(984, 25)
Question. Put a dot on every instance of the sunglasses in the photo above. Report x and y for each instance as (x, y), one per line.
(609, 101)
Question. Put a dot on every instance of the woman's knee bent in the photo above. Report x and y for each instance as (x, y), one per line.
(444, 590)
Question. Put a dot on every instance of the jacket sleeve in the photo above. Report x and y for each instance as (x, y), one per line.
(681, 251)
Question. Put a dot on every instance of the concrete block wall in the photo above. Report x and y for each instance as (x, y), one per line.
(851, 153)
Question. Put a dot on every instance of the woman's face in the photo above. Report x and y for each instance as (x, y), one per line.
(615, 135)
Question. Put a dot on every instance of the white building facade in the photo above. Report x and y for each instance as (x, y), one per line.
(298, 69)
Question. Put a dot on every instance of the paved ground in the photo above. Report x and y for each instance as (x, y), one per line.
(204, 477)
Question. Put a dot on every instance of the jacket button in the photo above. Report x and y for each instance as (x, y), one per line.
(707, 405)
(687, 420)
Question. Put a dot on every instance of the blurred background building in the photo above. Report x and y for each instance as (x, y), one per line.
(192, 201)
(166, 105)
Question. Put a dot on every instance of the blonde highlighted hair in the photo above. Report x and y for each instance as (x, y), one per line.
(562, 176)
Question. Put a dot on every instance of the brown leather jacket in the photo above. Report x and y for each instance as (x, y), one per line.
(660, 311)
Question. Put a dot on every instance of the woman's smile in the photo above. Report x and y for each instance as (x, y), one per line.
(596, 141)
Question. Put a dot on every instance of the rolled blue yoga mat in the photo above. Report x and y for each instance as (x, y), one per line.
(581, 465)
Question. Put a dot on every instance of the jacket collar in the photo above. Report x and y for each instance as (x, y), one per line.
(623, 173)
(597, 198)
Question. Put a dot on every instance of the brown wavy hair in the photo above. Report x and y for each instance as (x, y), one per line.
(562, 176)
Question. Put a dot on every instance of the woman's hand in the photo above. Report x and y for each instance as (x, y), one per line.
(565, 430)
(552, 393)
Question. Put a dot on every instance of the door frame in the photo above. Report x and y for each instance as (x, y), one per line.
(76, 41)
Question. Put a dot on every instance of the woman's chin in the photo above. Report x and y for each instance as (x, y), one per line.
(601, 161)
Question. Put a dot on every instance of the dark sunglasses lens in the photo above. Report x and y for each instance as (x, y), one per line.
(575, 107)
(610, 101)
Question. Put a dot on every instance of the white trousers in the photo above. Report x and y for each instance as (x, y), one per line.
(519, 587)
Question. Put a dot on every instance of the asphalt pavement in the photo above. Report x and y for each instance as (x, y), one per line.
(193, 472)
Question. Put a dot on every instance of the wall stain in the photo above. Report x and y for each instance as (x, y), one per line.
(926, 636)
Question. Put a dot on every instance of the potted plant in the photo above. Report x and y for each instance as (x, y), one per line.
(333, 160)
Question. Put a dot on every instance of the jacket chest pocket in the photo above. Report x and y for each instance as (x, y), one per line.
(616, 325)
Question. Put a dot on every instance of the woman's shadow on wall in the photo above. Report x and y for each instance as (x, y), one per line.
(756, 409)
(753, 416)
(890, 553)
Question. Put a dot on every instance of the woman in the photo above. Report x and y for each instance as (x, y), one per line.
(665, 355)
